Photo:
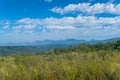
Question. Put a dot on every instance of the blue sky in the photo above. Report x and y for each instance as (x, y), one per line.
(31, 20)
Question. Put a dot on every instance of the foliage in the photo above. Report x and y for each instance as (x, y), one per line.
(83, 62)
(72, 66)
(110, 46)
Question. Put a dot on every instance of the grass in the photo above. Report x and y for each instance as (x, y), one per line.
(102, 65)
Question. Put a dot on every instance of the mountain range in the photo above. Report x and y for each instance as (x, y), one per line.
(59, 42)
(43, 46)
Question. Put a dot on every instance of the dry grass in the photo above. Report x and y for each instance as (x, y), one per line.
(70, 66)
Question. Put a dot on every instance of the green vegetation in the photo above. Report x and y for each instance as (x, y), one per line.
(110, 46)
(8, 50)
(82, 62)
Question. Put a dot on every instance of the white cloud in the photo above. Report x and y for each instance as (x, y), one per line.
(17, 27)
(87, 8)
(68, 22)
(28, 21)
(61, 27)
(80, 27)
(29, 26)
(6, 27)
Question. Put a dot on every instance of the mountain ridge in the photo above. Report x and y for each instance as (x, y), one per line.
(59, 42)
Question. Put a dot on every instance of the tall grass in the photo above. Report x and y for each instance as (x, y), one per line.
(102, 65)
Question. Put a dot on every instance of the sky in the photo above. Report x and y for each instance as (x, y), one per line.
(31, 20)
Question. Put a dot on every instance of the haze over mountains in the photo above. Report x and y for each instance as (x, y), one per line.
(43, 46)
(66, 42)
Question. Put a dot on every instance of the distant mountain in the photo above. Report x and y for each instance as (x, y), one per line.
(66, 42)
(102, 41)
(46, 45)
(111, 39)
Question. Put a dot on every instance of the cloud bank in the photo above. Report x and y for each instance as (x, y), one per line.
(80, 27)
(89, 9)
(84, 26)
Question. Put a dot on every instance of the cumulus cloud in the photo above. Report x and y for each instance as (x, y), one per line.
(61, 27)
(68, 23)
(24, 26)
(89, 9)
(6, 27)
(80, 27)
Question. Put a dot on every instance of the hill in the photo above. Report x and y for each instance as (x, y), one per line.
(83, 62)
(44, 46)
(59, 42)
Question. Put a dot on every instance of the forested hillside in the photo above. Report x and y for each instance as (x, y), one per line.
(7, 50)
(110, 46)
(83, 62)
